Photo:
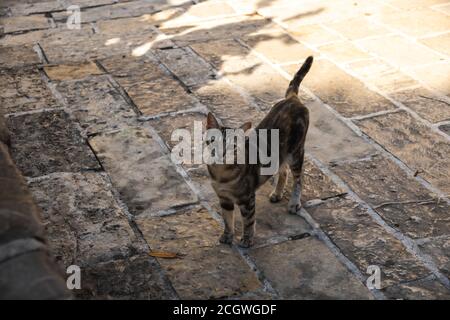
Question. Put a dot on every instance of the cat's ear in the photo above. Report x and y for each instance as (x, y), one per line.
(211, 122)
(246, 126)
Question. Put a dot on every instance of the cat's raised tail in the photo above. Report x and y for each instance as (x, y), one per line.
(295, 82)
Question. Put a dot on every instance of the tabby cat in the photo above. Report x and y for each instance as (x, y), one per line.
(236, 184)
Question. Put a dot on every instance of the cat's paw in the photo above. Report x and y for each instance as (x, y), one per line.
(226, 238)
(294, 208)
(245, 243)
(274, 197)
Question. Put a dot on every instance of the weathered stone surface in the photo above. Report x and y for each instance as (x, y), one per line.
(186, 65)
(207, 269)
(24, 90)
(382, 75)
(118, 10)
(413, 143)
(17, 24)
(19, 215)
(346, 94)
(152, 90)
(72, 71)
(408, 4)
(429, 106)
(343, 52)
(434, 75)
(330, 140)
(313, 34)
(278, 47)
(83, 221)
(439, 43)
(228, 104)
(97, 105)
(135, 278)
(165, 126)
(357, 28)
(17, 56)
(315, 184)
(34, 7)
(397, 50)
(42, 143)
(314, 271)
(227, 28)
(365, 242)
(439, 251)
(426, 289)
(145, 178)
(31, 276)
(418, 22)
(401, 201)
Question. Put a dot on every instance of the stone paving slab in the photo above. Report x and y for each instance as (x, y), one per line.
(382, 75)
(346, 94)
(228, 104)
(343, 52)
(413, 143)
(18, 56)
(330, 140)
(63, 72)
(97, 105)
(397, 49)
(24, 90)
(145, 177)
(186, 65)
(118, 10)
(401, 201)
(138, 277)
(278, 47)
(365, 242)
(18, 24)
(42, 143)
(83, 220)
(418, 21)
(228, 28)
(439, 43)
(432, 76)
(152, 90)
(314, 271)
(25, 9)
(427, 104)
(427, 289)
(207, 270)
(439, 251)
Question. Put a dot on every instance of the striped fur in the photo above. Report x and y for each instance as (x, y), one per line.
(236, 184)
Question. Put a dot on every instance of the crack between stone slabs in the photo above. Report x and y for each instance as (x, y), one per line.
(407, 242)
(375, 114)
(351, 267)
(40, 52)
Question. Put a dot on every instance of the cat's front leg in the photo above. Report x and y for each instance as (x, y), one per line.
(228, 219)
(249, 221)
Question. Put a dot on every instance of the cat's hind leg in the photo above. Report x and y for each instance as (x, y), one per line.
(296, 165)
(277, 193)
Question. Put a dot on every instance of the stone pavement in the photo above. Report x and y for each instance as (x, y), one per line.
(91, 112)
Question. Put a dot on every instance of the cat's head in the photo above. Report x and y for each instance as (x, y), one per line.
(226, 136)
